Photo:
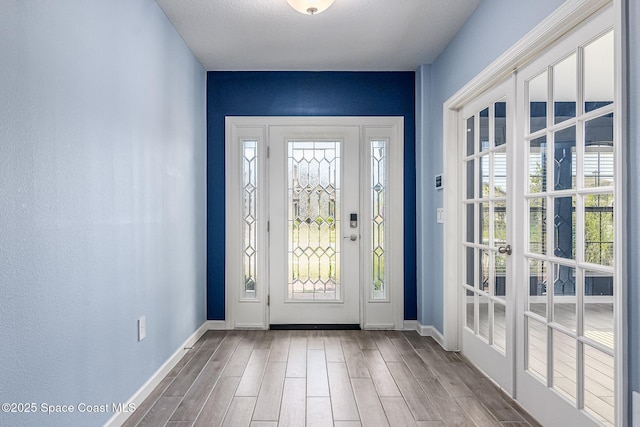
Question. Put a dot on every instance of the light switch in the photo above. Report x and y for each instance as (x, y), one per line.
(440, 215)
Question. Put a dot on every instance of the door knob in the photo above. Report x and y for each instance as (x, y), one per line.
(505, 249)
(352, 237)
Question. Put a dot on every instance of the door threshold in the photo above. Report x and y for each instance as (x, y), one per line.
(319, 326)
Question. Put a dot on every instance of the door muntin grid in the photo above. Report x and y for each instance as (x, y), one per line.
(485, 208)
(569, 251)
(314, 222)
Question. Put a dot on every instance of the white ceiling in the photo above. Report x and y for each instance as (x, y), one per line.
(352, 35)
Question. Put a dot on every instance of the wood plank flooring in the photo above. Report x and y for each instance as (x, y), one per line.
(325, 378)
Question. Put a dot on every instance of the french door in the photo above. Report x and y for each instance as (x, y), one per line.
(540, 231)
(566, 373)
(314, 221)
(487, 293)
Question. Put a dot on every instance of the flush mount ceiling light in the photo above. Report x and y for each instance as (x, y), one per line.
(310, 7)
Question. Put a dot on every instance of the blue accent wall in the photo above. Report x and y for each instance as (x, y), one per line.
(303, 94)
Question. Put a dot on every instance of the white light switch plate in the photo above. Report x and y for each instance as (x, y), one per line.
(440, 215)
(142, 328)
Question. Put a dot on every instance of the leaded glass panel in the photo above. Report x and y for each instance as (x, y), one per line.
(378, 218)
(249, 216)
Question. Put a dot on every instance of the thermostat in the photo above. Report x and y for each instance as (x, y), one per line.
(439, 181)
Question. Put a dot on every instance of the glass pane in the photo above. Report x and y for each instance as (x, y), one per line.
(250, 217)
(500, 174)
(537, 349)
(499, 327)
(500, 113)
(598, 152)
(470, 223)
(598, 228)
(484, 270)
(538, 287)
(598, 385)
(538, 102)
(538, 225)
(564, 220)
(471, 266)
(470, 310)
(470, 179)
(564, 365)
(499, 223)
(564, 296)
(484, 176)
(484, 129)
(564, 89)
(471, 132)
(378, 218)
(314, 223)
(564, 171)
(500, 285)
(598, 73)
(538, 165)
(598, 307)
(484, 223)
(483, 321)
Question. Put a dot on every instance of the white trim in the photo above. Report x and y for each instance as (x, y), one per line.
(143, 392)
(215, 325)
(431, 331)
(410, 325)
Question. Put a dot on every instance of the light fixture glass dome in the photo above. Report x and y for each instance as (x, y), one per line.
(310, 7)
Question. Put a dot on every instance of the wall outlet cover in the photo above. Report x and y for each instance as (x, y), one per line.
(142, 328)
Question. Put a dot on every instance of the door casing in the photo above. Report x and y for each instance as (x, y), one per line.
(242, 313)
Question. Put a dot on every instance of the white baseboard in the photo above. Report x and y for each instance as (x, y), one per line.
(430, 331)
(410, 325)
(636, 409)
(139, 396)
(379, 326)
(215, 325)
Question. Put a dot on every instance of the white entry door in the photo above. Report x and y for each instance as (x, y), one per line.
(315, 221)
(315, 224)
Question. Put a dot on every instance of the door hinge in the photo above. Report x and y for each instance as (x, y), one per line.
(268, 226)
(268, 152)
(268, 300)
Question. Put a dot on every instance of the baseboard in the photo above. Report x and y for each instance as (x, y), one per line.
(636, 409)
(139, 396)
(430, 331)
(410, 325)
(215, 325)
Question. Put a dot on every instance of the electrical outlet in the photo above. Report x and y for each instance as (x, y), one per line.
(142, 328)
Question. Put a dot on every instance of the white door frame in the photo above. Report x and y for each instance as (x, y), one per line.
(561, 21)
(253, 313)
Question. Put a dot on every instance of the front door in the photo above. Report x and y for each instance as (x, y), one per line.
(315, 224)
(314, 221)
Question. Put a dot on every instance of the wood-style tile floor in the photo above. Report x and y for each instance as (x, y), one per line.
(325, 378)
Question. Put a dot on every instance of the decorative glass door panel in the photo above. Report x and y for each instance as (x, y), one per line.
(314, 220)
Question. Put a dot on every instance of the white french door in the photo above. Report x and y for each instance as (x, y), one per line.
(540, 230)
(315, 221)
(487, 288)
(566, 372)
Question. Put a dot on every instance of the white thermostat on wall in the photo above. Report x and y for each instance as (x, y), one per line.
(439, 181)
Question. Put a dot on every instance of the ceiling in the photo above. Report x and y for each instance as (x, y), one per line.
(352, 35)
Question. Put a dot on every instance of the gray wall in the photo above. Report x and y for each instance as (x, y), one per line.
(102, 201)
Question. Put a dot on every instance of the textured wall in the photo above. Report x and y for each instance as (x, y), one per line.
(102, 201)
(479, 42)
(304, 94)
